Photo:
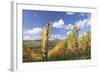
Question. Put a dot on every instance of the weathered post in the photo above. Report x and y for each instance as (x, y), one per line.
(77, 51)
(45, 39)
(48, 36)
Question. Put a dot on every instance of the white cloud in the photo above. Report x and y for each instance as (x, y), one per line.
(70, 13)
(32, 37)
(56, 36)
(68, 32)
(32, 34)
(83, 23)
(59, 24)
(80, 24)
(62, 38)
(68, 27)
(34, 31)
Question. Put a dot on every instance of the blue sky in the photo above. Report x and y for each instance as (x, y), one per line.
(34, 21)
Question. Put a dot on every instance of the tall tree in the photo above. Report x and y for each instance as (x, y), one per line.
(85, 44)
(72, 41)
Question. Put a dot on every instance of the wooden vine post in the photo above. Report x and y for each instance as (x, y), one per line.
(45, 39)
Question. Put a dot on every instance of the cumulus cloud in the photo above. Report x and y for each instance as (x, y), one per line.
(80, 24)
(61, 24)
(83, 23)
(68, 27)
(58, 24)
(32, 34)
(34, 31)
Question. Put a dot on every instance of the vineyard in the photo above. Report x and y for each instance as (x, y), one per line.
(73, 47)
